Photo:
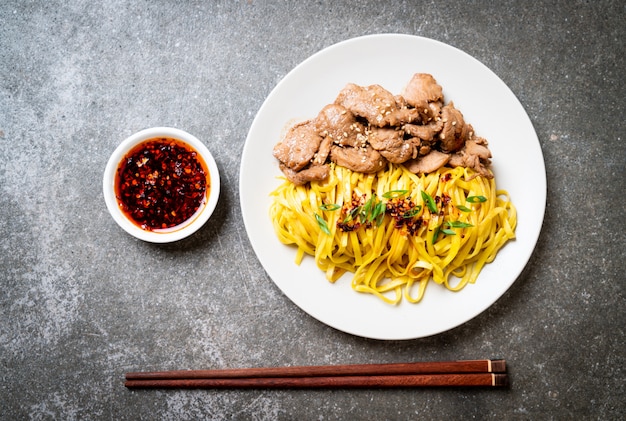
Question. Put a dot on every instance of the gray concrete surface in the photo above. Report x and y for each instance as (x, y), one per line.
(81, 302)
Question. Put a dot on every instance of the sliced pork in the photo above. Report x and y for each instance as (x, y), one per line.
(372, 102)
(323, 152)
(425, 132)
(476, 155)
(361, 159)
(454, 132)
(424, 94)
(340, 125)
(391, 144)
(367, 127)
(428, 163)
(311, 173)
(299, 146)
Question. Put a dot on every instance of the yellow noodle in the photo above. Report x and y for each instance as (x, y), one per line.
(387, 260)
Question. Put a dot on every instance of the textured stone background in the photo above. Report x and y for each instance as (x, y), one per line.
(81, 302)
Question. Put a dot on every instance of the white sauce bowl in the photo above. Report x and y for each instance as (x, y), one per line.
(183, 230)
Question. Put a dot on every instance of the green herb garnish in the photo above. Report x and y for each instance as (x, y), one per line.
(330, 207)
(353, 212)
(458, 224)
(366, 211)
(476, 199)
(463, 208)
(436, 234)
(447, 231)
(430, 202)
(394, 193)
(411, 213)
(322, 223)
(378, 214)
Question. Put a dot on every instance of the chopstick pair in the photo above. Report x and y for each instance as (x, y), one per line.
(488, 373)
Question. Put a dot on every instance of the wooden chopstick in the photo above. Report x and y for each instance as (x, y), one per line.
(442, 373)
(435, 367)
(396, 380)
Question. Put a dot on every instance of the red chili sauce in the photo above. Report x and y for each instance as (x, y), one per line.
(161, 183)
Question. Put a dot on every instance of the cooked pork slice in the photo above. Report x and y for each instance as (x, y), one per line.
(424, 149)
(425, 132)
(391, 144)
(434, 111)
(369, 102)
(428, 163)
(421, 91)
(456, 159)
(401, 101)
(312, 173)
(362, 159)
(401, 116)
(299, 146)
(476, 155)
(323, 152)
(454, 132)
(416, 144)
(340, 125)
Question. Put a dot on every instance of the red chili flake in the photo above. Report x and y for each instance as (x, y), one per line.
(161, 183)
(403, 211)
(346, 227)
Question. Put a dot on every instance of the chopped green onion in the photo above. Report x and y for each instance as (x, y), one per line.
(458, 224)
(375, 215)
(448, 231)
(323, 225)
(330, 207)
(380, 213)
(394, 193)
(463, 208)
(476, 199)
(353, 212)
(411, 213)
(436, 234)
(430, 202)
(366, 212)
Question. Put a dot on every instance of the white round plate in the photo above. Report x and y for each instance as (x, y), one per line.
(390, 60)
